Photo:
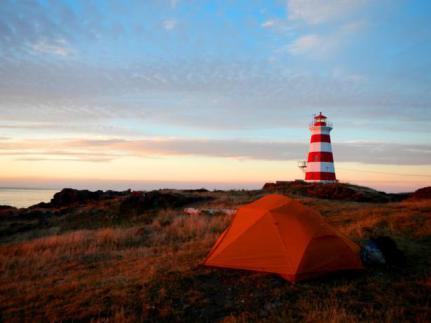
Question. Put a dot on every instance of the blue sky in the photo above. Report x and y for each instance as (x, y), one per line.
(222, 80)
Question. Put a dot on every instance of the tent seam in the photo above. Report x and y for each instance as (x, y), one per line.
(282, 241)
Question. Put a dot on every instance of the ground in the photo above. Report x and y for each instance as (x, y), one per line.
(94, 262)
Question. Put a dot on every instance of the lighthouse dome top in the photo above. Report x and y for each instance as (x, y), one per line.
(320, 116)
(320, 120)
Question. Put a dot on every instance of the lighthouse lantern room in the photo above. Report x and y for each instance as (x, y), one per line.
(320, 163)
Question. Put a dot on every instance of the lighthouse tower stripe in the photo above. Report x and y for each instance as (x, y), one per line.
(320, 177)
(320, 156)
(321, 146)
(320, 138)
(321, 167)
(320, 130)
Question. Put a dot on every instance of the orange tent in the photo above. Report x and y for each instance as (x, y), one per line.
(277, 234)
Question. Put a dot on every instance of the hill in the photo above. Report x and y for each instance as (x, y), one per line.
(135, 256)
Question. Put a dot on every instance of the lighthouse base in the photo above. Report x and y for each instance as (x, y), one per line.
(321, 181)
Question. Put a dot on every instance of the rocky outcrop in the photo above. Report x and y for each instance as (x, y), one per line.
(422, 193)
(69, 196)
(6, 210)
(73, 209)
(336, 191)
(138, 202)
(270, 186)
(127, 200)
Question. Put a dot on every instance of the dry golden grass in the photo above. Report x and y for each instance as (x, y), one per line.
(150, 271)
(77, 274)
(359, 220)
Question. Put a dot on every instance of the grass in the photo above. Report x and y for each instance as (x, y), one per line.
(150, 271)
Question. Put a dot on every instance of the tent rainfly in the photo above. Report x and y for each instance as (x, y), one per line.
(279, 235)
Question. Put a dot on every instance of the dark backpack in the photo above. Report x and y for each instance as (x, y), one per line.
(390, 251)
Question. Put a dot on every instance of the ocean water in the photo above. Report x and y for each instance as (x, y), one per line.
(23, 197)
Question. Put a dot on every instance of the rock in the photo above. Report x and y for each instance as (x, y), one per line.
(422, 193)
(41, 205)
(192, 211)
(335, 191)
(213, 211)
(139, 202)
(198, 190)
(6, 210)
(69, 196)
(7, 207)
(269, 186)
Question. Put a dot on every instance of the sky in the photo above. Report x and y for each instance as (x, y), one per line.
(148, 94)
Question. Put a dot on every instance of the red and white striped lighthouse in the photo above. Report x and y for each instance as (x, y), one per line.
(320, 162)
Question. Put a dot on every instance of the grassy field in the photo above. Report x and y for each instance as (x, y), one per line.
(148, 268)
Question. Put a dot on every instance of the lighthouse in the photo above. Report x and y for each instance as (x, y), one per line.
(319, 167)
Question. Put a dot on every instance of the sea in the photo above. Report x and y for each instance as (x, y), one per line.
(25, 197)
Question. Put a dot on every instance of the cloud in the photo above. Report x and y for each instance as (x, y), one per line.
(268, 24)
(30, 125)
(89, 160)
(315, 41)
(322, 45)
(78, 98)
(169, 24)
(174, 3)
(237, 149)
(23, 154)
(283, 27)
(110, 149)
(304, 44)
(321, 11)
(59, 47)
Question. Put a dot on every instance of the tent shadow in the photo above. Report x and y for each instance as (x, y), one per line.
(241, 274)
